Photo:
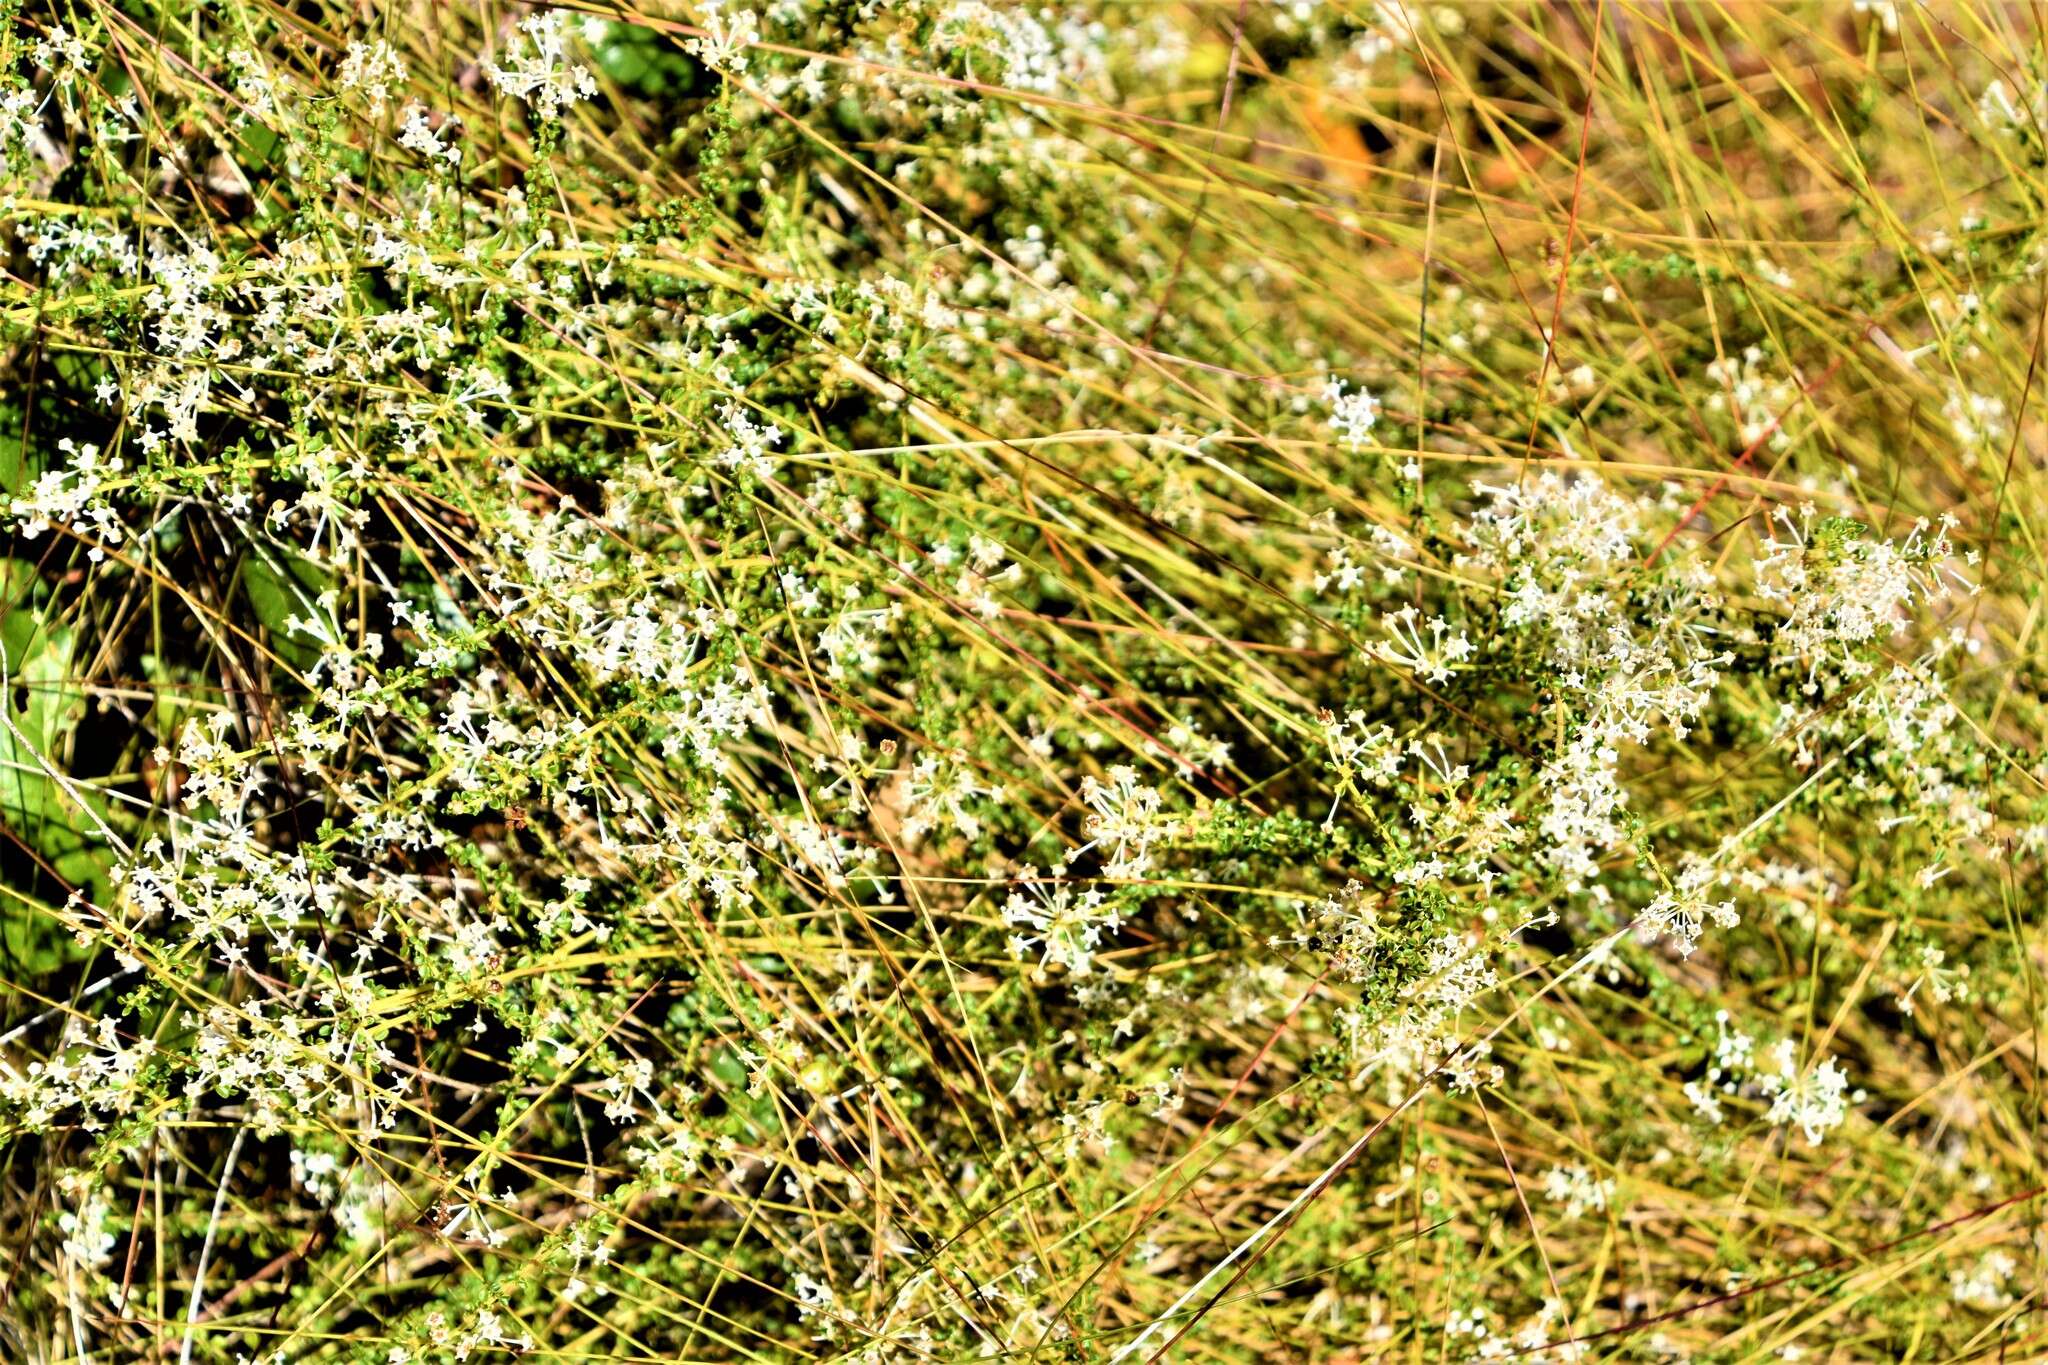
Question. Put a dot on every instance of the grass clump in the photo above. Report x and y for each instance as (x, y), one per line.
(946, 680)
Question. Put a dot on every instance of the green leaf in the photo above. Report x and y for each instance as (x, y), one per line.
(42, 706)
(280, 589)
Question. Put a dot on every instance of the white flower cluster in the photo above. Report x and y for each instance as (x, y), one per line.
(1033, 49)
(1841, 594)
(538, 69)
(1815, 1100)
(1125, 821)
(1578, 1189)
(1686, 908)
(2011, 115)
(1067, 923)
(1761, 401)
(723, 45)
(1986, 1286)
(375, 69)
(1352, 413)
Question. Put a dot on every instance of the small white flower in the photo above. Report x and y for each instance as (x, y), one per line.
(726, 38)
(1578, 1190)
(373, 68)
(1814, 1101)
(1352, 414)
(540, 71)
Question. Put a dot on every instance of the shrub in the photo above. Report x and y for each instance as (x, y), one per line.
(915, 681)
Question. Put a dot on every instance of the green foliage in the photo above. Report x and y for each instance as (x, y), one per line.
(949, 680)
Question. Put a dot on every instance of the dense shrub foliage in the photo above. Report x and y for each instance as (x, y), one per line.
(797, 679)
